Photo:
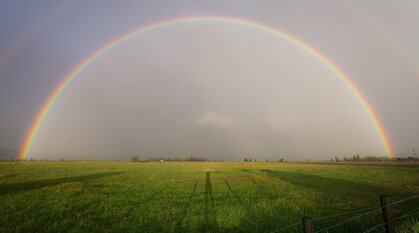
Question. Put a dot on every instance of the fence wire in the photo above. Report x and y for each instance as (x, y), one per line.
(406, 215)
(405, 199)
(369, 209)
(369, 212)
(345, 213)
(373, 228)
(348, 220)
(286, 228)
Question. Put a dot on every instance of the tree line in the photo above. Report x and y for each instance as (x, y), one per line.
(358, 158)
(175, 159)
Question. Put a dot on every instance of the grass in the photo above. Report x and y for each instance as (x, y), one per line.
(199, 197)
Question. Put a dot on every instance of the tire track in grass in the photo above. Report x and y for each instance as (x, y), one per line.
(185, 209)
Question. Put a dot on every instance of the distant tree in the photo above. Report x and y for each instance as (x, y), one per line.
(135, 159)
(245, 159)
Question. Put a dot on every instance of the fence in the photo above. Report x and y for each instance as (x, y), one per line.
(389, 220)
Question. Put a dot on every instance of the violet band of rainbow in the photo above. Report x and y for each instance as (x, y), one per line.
(49, 103)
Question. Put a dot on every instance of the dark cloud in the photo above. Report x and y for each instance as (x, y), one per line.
(214, 89)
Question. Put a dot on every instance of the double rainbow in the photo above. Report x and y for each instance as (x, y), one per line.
(49, 103)
(27, 38)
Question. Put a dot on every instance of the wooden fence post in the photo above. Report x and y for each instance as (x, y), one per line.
(388, 216)
(308, 224)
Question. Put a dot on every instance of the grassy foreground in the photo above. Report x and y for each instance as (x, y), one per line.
(200, 197)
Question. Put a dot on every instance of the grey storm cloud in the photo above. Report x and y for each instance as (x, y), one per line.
(213, 89)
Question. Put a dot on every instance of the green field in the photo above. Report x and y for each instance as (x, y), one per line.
(200, 196)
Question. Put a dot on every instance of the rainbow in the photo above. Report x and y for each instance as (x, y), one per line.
(49, 103)
(24, 40)
(386, 38)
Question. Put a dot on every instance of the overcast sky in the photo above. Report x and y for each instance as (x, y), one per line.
(214, 89)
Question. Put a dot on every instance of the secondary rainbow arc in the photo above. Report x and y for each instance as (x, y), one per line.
(7, 58)
(49, 103)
